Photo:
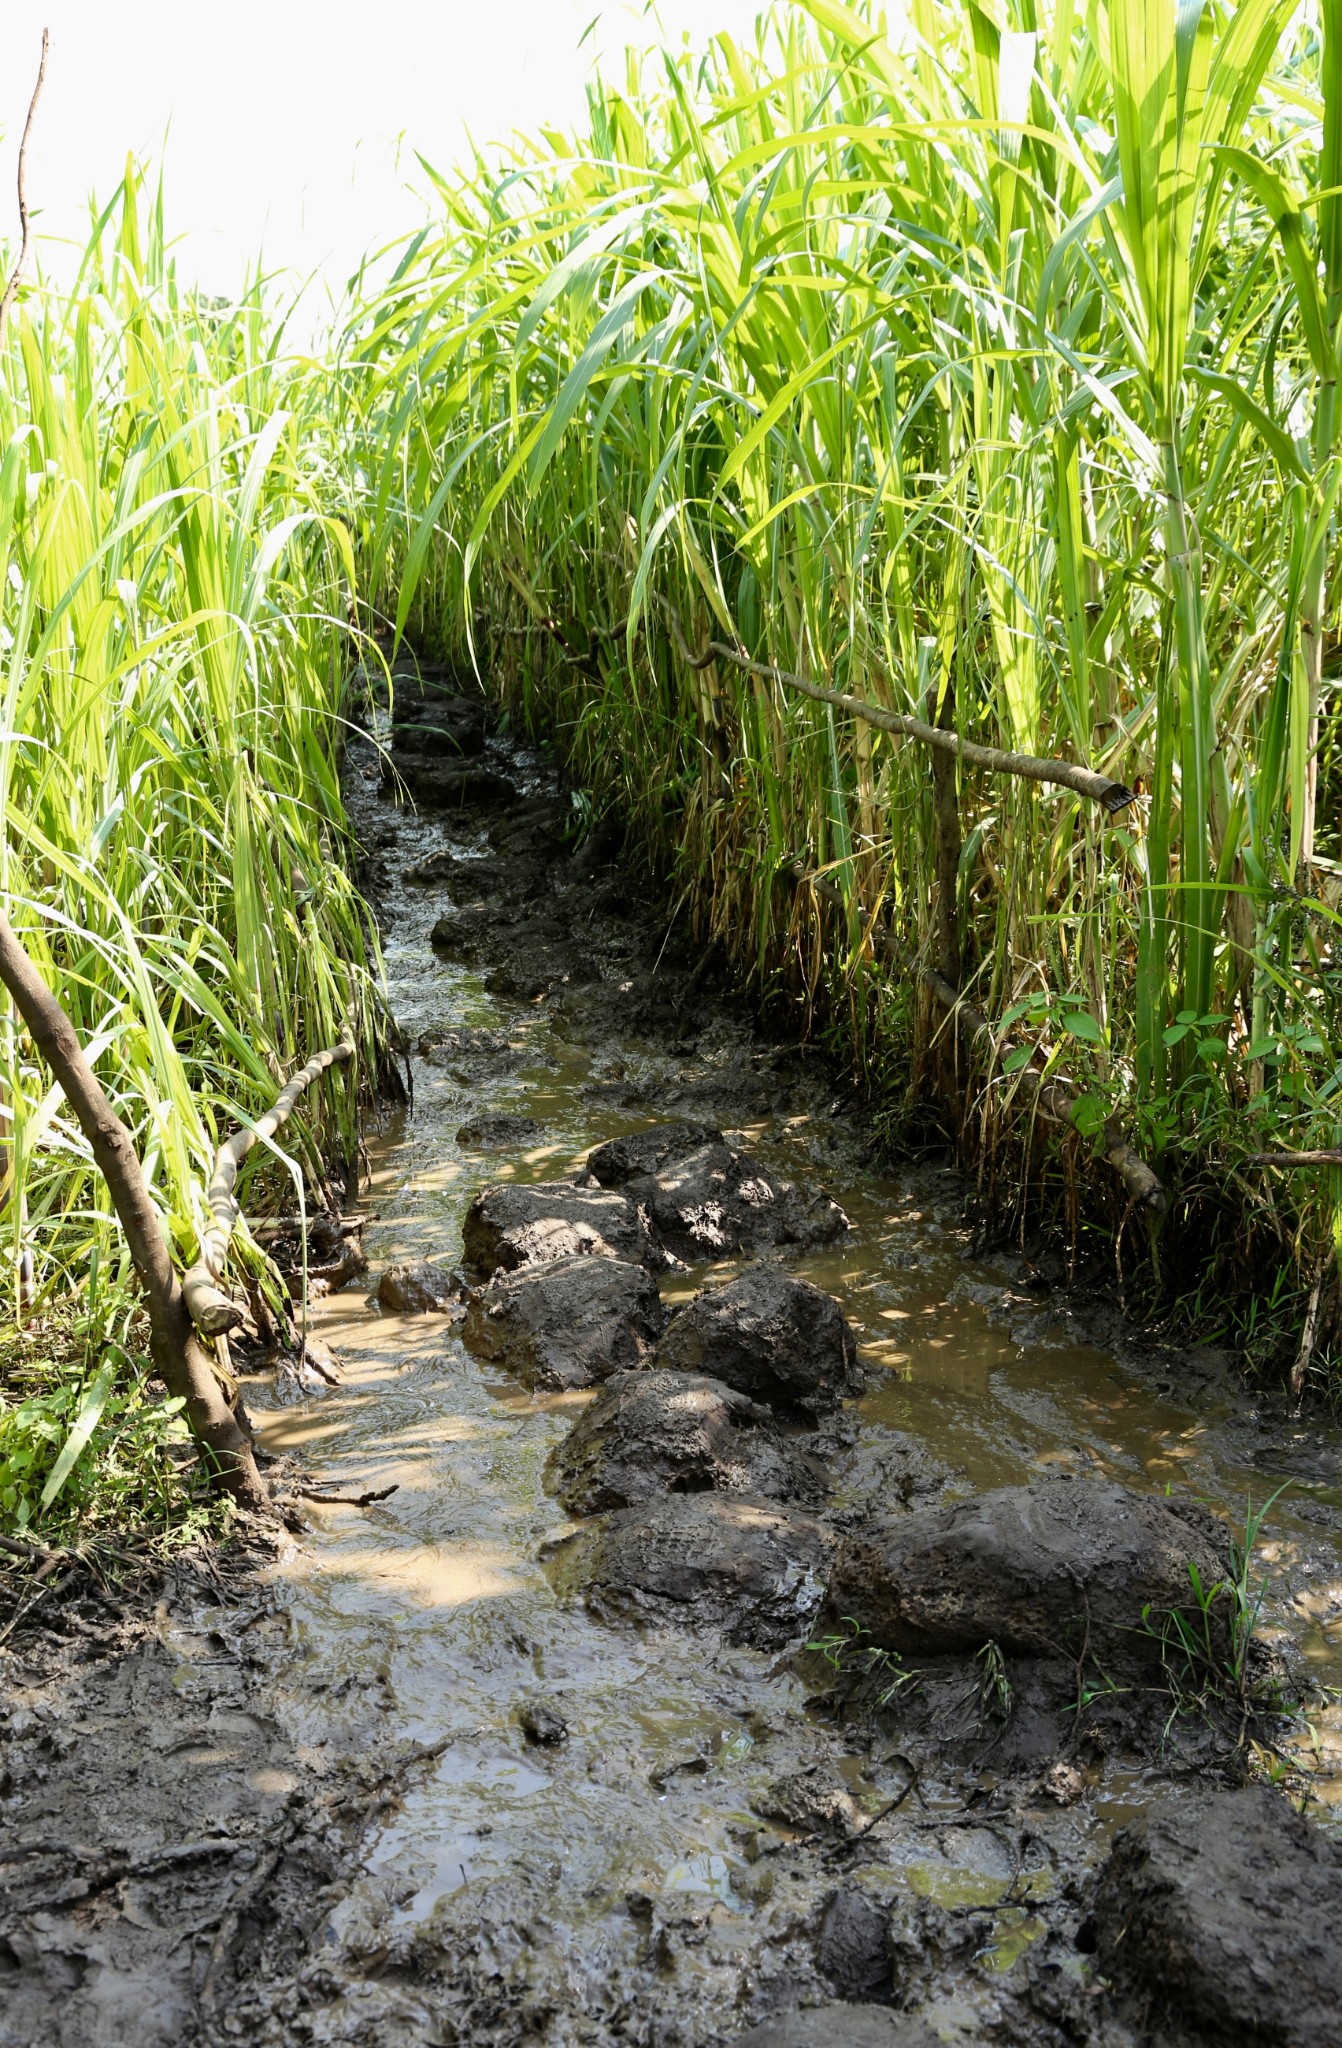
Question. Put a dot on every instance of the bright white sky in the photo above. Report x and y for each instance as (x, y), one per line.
(291, 127)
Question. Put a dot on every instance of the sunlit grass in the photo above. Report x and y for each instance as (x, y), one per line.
(178, 590)
(982, 368)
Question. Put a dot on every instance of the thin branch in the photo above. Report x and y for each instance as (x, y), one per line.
(31, 1553)
(1101, 789)
(211, 1310)
(1326, 1157)
(26, 235)
(347, 1500)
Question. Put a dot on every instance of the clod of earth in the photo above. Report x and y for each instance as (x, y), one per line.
(463, 935)
(535, 965)
(444, 868)
(566, 1322)
(439, 728)
(652, 1433)
(490, 1133)
(475, 882)
(621, 1160)
(508, 1227)
(853, 1949)
(472, 1050)
(415, 1287)
(816, 1801)
(706, 1200)
(750, 1569)
(770, 1335)
(415, 683)
(1061, 1567)
(1224, 1914)
(449, 783)
(840, 2025)
(542, 1724)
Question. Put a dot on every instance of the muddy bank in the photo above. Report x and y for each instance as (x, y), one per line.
(168, 1851)
(581, 1788)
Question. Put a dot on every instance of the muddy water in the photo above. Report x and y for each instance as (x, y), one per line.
(618, 1885)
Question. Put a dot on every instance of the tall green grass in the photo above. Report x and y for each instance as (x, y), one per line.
(177, 587)
(985, 368)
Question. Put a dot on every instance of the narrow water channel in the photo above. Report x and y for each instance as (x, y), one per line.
(625, 1871)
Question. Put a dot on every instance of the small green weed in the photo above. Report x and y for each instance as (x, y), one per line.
(879, 1672)
(996, 1697)
(87, 1446)
(1206, 1648)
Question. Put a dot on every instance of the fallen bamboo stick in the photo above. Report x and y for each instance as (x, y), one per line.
(1112, 796)
(212, 1311)
(1053, 1099)
(1329, 1156)
(1101, 789)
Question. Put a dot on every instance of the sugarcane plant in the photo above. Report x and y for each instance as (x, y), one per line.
(982, 371)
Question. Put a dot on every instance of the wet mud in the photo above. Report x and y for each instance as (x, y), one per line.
(672, 1384)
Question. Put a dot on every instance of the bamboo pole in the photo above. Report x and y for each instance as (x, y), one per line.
(1101, 789)
(176, 1350)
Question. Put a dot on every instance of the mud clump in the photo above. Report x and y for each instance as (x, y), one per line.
(750, 1569)
(652, 1433)
(473, 1050)
(438, 728)
(567, 1322)
(621, 1160)
(542, 1724)
(491, 1133)
(771, 1336)
(1223, 1915)
(449, 784)
(528, 829)
(840, 2025)
(443, 869)
(853, 1950)
(411, 1287)
(474, 882)
(509, 1227)
(706, 1200)
(536, 966)
(463, 936)
(816, 1801)
(1056, 1569)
